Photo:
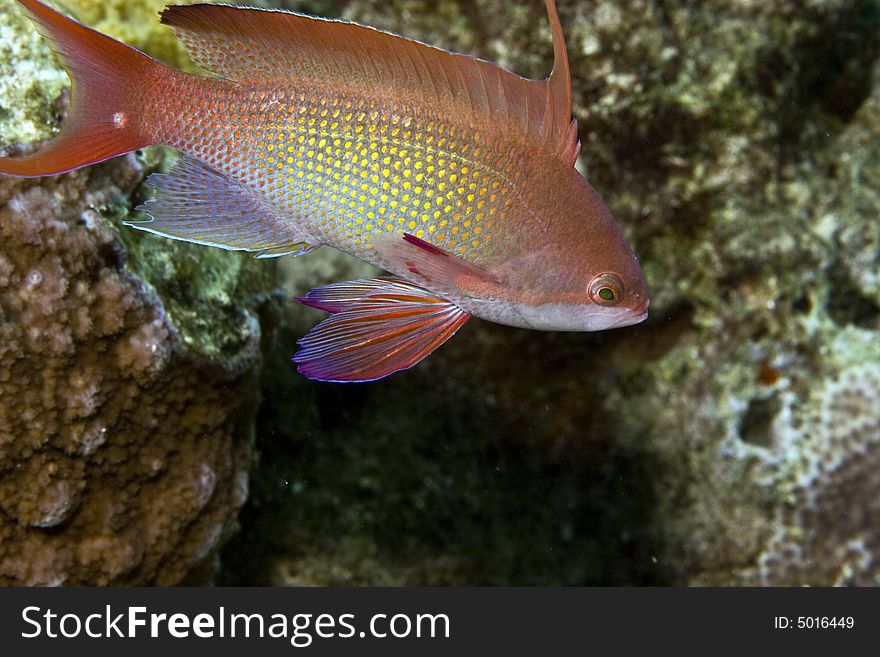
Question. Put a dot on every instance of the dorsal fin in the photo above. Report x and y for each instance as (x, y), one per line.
(559, 82)
(260, 45)
(559, 88)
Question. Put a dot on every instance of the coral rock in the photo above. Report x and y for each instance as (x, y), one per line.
(829, 531)
(122, 458)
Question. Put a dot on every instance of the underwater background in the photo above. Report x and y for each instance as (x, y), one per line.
(154, 431)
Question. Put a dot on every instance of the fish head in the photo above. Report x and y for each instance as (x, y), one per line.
(585, 276)
(606, 299)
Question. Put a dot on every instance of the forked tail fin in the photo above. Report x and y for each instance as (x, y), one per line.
(105, 117)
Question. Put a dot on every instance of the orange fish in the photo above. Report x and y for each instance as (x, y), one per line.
(455, 175)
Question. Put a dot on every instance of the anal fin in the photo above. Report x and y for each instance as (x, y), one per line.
(378, 327)
(196, 203)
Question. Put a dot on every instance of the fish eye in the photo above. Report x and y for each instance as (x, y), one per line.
(606, 289)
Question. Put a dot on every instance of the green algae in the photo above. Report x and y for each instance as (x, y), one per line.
(212, 295)
(30, 81)
(135, 22)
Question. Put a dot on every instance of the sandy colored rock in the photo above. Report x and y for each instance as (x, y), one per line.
(121, 460)
(127, 365)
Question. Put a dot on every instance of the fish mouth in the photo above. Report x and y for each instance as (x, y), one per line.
(641, 311)
(577, 317)
(630, 316)
(620, 318)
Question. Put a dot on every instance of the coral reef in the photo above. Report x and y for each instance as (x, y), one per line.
(827, 531)
(122, 459)
(733, 439)
(127, 375)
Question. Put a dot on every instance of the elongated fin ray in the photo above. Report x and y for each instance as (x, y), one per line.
(379, 326)
(196, 203)
(336, 297)
(258, 44)
(559, 82)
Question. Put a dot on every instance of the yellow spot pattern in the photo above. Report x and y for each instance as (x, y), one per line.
(352, 170)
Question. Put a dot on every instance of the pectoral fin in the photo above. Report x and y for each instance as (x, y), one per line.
(196, 203)
(438, 269)
(378, 327)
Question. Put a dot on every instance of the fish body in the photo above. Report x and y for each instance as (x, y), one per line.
(449, 172)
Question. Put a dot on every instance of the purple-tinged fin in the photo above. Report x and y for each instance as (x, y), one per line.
(196, 203)
(378, 327)
(437, 268)
(336, 297)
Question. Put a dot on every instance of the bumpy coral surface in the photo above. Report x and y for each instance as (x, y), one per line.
(828, 531)
(121, 459)
(126, 369)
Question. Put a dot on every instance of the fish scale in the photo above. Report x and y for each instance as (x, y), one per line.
(345, 169)
(451, 173)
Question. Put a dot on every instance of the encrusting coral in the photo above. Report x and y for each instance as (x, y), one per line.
(30, 80)
(825, 457)
(121, 461)
(126, 370)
